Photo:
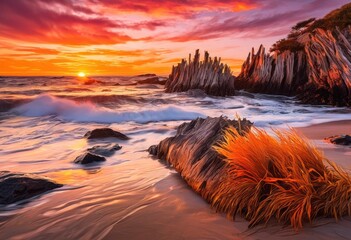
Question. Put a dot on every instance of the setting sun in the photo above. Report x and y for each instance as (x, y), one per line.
(81, 74)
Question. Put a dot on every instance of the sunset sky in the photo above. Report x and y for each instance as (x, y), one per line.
(119, 37)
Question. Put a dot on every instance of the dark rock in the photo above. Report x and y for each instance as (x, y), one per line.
(17, 186)
(196, 93)
(340, 140)
(153, 150)
(87, 158)
(152, 80)
(105, 150)
(209, 75)
(148, 86)
(105, 133)
(147, 75)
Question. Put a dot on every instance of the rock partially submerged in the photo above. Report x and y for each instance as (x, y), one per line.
(191, 153)
(105, 133)
(340, 140)
(196, 93)
(87, 158)
(15, 187)
(152, 80)
(209, 75)
(146, 75)
(105, 150)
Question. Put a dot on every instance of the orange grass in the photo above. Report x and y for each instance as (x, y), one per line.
(281, 177)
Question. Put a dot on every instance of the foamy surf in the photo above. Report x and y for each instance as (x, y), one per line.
(69, 110)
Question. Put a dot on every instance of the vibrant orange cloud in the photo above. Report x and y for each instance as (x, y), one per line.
(121, 53)
(244, 6)
(38, 50)
(176, 7)
(107, 37)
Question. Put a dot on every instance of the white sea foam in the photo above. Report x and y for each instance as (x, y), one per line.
(70, 110)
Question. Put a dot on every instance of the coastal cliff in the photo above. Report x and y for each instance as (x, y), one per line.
(313, 62)
(318, 74)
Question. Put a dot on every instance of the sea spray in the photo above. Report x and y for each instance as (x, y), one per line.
(69, 110)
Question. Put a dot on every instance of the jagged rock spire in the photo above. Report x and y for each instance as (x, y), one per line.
(211, 76)
(318, 74)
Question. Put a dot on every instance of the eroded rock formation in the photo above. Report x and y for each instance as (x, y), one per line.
(191, 153)
(276, 74)
(318, 74)
(209, 75)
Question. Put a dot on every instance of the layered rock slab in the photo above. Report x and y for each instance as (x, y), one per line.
(191, 153)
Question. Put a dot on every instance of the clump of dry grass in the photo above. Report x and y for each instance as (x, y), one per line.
(280, 177)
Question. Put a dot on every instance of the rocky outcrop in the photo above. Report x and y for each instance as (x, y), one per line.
(340, 140)
(152, 80)
(319, 74)
(329, 68)
(209, 75)
(15, 187)
(147, 75)
(88, 158)
(191, 153)
(105, 133)
(105, 150)
(275, 74)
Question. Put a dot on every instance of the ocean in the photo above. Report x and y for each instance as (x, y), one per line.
(131, 195)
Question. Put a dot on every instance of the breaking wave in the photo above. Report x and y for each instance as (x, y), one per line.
(69, 110)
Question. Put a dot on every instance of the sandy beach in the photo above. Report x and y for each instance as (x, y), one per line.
(318, 132)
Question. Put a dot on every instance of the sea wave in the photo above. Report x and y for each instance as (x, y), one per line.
(7, 104)
(69, 110)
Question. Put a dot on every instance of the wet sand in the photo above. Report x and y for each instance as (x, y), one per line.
(318, 132)
(323, 130)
